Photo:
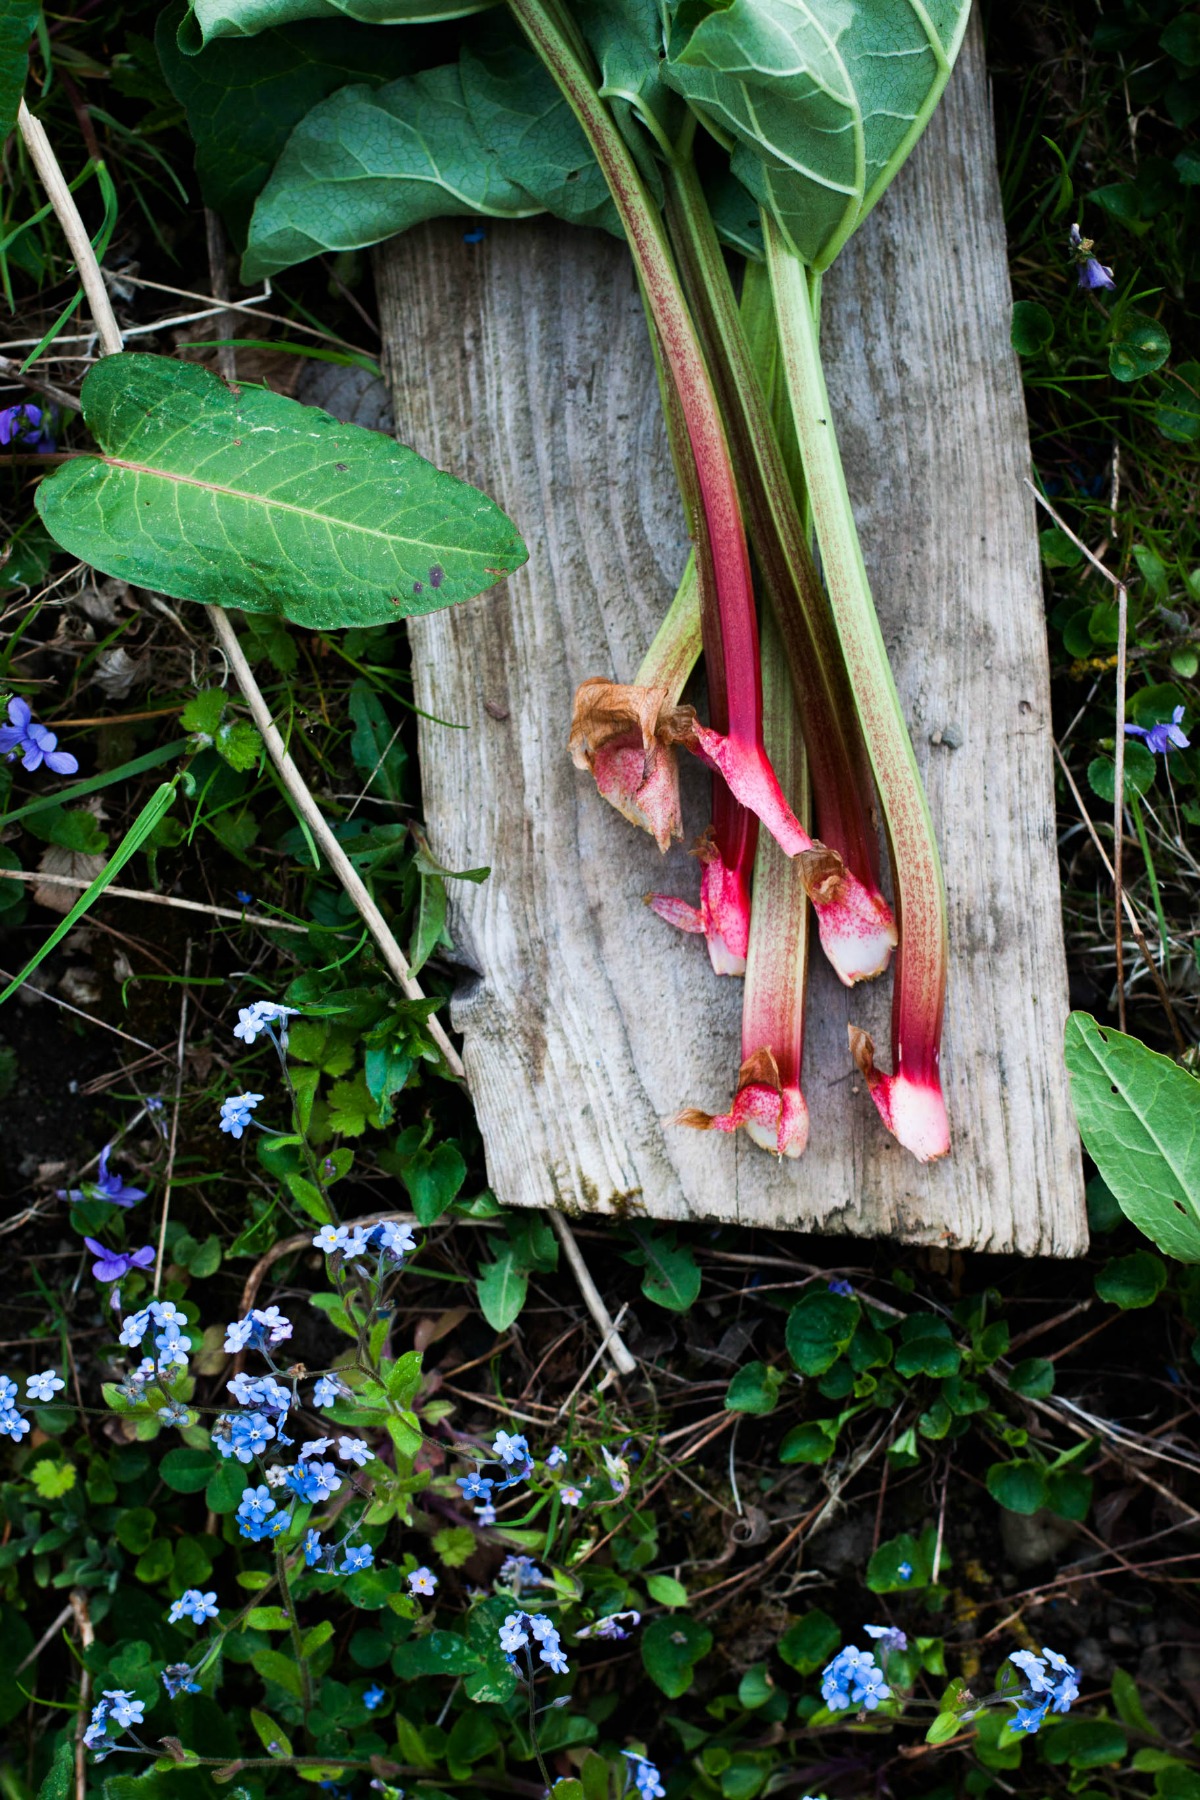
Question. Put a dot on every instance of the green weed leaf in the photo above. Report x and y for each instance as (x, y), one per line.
(1140, 770)
(672, 1278)
(819, 1328)
(245, 498)
(433, 1178)
(754, 1389)
(1132, 1281)
(1032, 327)
(1139, 1117)
(1019, 1487)
(671, 1648)
(1139, 346)
(810, 1642)
(1177, 413)
(502, 1287)
(18, 21)
(1086, 1743)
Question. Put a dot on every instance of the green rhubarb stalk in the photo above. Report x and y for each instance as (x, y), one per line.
(675, 651)
(909, 1100)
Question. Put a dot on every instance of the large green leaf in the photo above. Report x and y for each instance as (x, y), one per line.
(525, 122)
(626, 39)
(208, 19)
(18, 21)
(1139, 1117)
(366, 164)
(822, 99)
(244, 97)
(244, 498)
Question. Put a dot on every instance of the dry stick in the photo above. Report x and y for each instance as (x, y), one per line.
(1119, 750)
(74, 230)
(124, 893)
(565, 1407)
(314, 818)
(87, 1637)
(224, 324)
(181, 1045)
(55, 1624)
(60, 396)
(44, 994)
(1155, 973)
(624, 1363)
(110, 339)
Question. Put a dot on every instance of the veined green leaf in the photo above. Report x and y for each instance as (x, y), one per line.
(1139, 1117)
(520, 114)
(368, 163)
(243, 97)
(626, 39)
(822, 100)
(241, 497)
(207, 19)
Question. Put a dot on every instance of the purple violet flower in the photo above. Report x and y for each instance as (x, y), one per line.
(34, 744)
(1160, 738)
(26, 425)
(105, 1187)
(114, 1265)
(1092, 274)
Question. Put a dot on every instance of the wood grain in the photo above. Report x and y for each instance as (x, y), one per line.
(522, 363)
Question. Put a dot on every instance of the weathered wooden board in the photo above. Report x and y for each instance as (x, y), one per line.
(522, 363)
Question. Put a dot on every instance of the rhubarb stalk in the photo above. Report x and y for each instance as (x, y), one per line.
(769, 1105)
(732, 743)
(909, 1100)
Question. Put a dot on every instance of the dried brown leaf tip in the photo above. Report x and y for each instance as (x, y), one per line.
(627, 737)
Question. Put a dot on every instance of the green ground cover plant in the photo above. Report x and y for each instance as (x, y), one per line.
(314, 1470)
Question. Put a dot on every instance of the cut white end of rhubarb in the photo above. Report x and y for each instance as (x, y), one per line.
(857, 930)
(912, 1108)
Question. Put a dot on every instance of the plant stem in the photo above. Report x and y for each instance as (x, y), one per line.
(1139, 825)
(285, 1593)
(677, 643)
(840, 770)
(919, 995)
(728, 618)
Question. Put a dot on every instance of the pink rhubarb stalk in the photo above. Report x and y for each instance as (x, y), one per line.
(741, 342)
(769, 1105)
(732, 743)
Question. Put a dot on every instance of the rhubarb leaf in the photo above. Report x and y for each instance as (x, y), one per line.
(823, 101)
(208, 19)
(369, 163)
(526, 123)
(1139, 1117)
(243, 98)
(241, 497)
(626, 39)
